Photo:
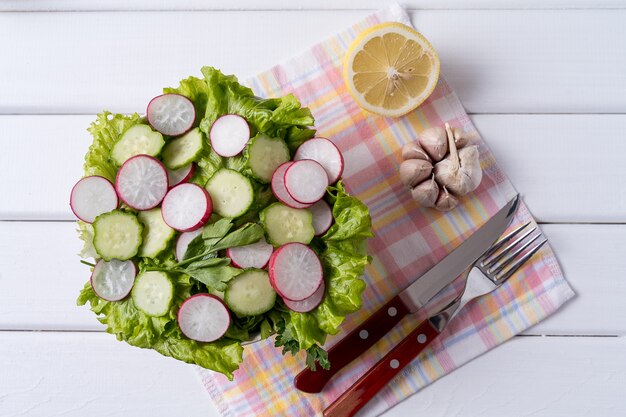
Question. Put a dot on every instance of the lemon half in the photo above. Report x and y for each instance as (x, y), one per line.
(390, 69)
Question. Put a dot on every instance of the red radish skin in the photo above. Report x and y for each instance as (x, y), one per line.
(255, 255)
(181, 175)
(186, 207)
(326, 153)
(182, 243)
(279, 190)
(171, 114)
(229, 135)
(203, 317)
(295, 271)
(126, 267)
(92, 196)
(308, 304)
(141, 182)
(306, 181)
(322, 217)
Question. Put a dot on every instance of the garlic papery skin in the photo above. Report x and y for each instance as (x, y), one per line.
(414, 171)
(414, 151)
(460, 172)
(460, 138)
(426, 193)
(434, 142)
(446, 201)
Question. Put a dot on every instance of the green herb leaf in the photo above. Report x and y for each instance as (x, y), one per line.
(204, 263)
(217, 230)
(247, 234)
(195, 248)
(317, 354)
(214, 277)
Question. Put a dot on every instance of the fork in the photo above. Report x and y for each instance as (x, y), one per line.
(487, 274)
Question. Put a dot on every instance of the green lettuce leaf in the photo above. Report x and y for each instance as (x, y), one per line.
(85, 233)
(282, 118)
(162, 334)
(106, 131)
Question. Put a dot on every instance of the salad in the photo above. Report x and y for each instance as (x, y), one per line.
(216, 219)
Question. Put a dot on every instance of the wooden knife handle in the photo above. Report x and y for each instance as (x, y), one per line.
(353, 345)
(384, 371)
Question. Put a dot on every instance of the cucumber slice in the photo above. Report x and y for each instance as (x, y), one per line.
(137, 140)
(250, 293)
(183, 150)
(265, 155)
(285, 224)
(231, 193)
(153, 292)
(156, 233)
(117, 235)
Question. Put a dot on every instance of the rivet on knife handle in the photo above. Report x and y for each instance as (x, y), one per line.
(353, 345)
(384, 371)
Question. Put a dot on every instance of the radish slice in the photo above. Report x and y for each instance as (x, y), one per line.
(186, 207)
(326, 153)
(279, 190)
(295, 271)
(256, 255)
(171, 114)
(113, 280)
(229, 135)
(307, 304)
(141, 182)
(306, 181)
(180, 175)
(322, 217)
(183, 243)
(91, 197)
(203, 317)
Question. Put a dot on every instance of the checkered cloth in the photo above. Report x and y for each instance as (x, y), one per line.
(408, 241)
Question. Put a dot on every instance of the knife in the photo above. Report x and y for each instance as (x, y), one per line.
(410, 300)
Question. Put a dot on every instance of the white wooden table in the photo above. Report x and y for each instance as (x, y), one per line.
(544, 81)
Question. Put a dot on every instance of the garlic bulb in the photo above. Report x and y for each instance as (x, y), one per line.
(434, 142)
(414, 171)
(426, 193)
(460, 172)
(414, 151)
(451, 177)
(446, 201)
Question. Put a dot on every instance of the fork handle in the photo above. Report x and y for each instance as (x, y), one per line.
(384, 371)
(353, 345)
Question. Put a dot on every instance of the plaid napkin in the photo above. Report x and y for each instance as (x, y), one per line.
(408, 242)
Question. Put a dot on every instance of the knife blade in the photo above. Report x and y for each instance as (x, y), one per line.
(410, 300)
(418, 294)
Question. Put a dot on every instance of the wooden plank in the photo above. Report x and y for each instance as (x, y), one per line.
(547, 157)
(565, 166)
(45, 160)
(92, 374)
(116, 5)
(542, 377)
(79, 374)
(42, 256)
(41, 276)
(593, 261)
(499, 61)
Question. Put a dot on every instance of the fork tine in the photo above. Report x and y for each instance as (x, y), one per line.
(521, 262)
(489, 265)
(499, 267)
(502, 241)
